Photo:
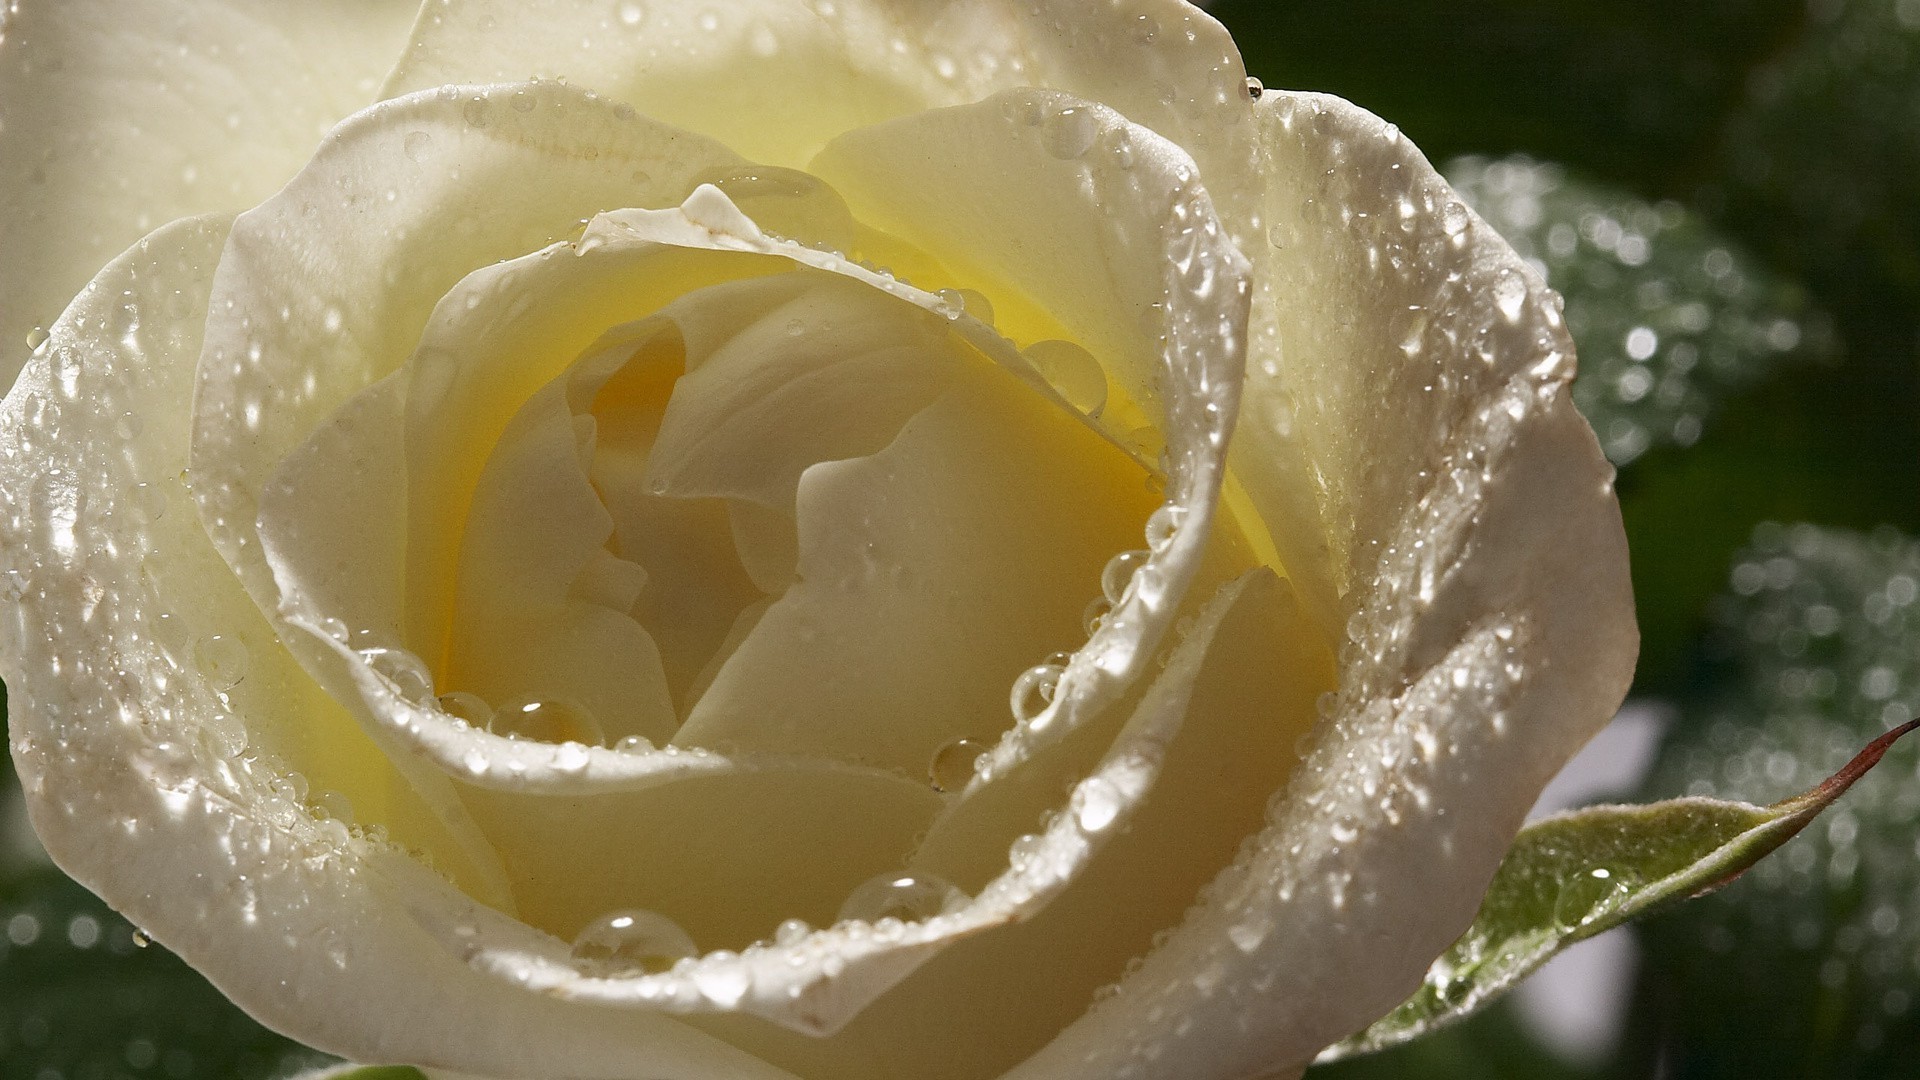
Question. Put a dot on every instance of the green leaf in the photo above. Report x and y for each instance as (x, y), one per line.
(1807, 967)
(1669, 317)
(1573, 875)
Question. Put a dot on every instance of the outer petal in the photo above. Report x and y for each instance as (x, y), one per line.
(151, 789)
(1481, 570)
(117, 117)
(777, 79)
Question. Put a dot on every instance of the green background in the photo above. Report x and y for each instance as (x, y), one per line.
(1780, 138)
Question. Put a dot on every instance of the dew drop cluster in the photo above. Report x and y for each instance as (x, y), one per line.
(1668, 318)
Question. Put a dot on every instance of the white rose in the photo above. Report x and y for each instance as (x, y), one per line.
(562, 406)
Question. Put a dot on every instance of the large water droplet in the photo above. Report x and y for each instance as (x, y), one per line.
(1510, 293)
(1096, 803)
(222, 658)
(1070, 132)
(471, 708)
(403, 672)
(786, 203)
(547, 720)
(952, 765)
(1118, 574)
(37, 337)
(1033, 691)
(1162, 524)
(900, 895)
(1583, 897)
(631, 942)
(1073, 371)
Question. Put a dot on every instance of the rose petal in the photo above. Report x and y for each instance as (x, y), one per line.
(815, 985)
(190, 812)
(727, 855)
(120, 117)
(159, 638)
(1252, 669)
(931, 574)
(329, 285)
(820, 69)
(1475, 536)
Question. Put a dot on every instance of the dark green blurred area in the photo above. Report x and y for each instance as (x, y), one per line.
(1788, 130)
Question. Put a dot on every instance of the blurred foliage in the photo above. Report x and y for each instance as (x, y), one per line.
(1785, 133)
(1810, 967)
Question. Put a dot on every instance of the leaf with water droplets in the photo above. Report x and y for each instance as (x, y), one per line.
(1576, 874)
(1669, 317)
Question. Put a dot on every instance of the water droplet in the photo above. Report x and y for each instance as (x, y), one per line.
(791, 932)
(1095, 615)
(1033, 691)
(1510, 293)
(631, 942)
(631, 13)
(404, 673)
(547, 720)
(471, 708)
(900, 895)
(952, 765)
(416, 145)
(1096, 803)
(37, 337)
(141, 940)
(1073, 371)
(475, 111)
(1118, 574)
(786, 203)
(1255, 88)
(1070, 132)
(1162, 524)
(633, 744)
(222, 658)
(1584, 897)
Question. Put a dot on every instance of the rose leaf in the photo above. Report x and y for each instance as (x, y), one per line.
(1573, 875)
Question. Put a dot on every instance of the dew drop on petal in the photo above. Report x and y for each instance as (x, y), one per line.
(471, 708)
(1096, 803)
(952, 765)
(1070, 132)
(631, 942)
(900, 895)
(1162, 525)
(1118, 574)
(547, 720)
(1033, 691)
(1073, 372)
(222, 658)
(1095, 615)
(405, 673)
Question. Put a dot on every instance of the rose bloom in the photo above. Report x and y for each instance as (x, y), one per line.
(774, 539)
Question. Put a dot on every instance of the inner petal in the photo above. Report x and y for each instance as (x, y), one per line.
(931, 574)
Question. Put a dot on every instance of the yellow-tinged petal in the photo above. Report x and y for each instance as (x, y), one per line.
(819, 69)
(118, 117)
(1473, 545)
(726, 855)
(190, 812)
(931, 574)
